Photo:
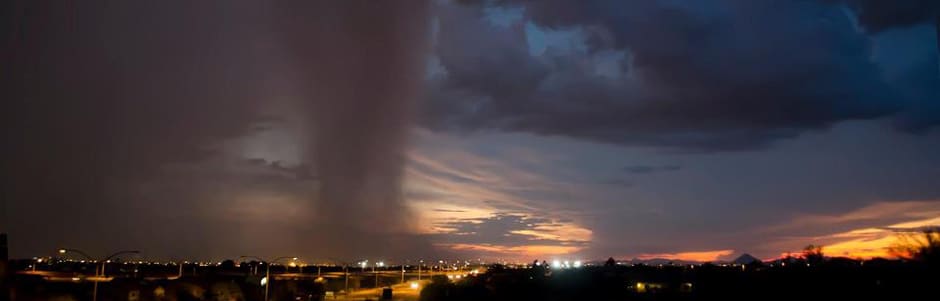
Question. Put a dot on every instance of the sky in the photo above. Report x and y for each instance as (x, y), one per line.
(499, 130)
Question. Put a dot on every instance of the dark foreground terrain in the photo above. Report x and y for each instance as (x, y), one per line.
(834, 279)
(797, 279)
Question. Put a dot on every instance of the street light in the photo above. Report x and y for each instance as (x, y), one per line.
(345, 273)
(101, 263)
(380, 264)
(420, 263)
(36, 263)
(267, 280)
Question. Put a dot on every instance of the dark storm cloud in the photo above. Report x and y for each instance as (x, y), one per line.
(100, 95)
(117, 116)
(922, 82)
(364, 67)
(721, 75)
(878, 15)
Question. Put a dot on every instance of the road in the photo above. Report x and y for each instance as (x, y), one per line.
(400, 292)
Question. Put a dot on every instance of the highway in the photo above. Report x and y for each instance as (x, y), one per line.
(400, 292)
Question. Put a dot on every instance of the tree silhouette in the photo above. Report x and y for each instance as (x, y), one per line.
(922, 246)
(228, 265)
(813, 254)
(610, 262)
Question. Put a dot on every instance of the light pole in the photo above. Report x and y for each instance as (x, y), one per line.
(420, 263)
(267, 273)
(103, 262)
(38, 261)
(380, 264)
(345, 273)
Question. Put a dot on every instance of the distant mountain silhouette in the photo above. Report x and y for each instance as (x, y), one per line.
(746, 259)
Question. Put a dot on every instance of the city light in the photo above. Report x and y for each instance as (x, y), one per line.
(264, 281)
(414, 285)
(577, 264)
(556, 264)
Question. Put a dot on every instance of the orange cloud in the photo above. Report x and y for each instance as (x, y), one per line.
(558, 232)
(519, 252)
(873, 242)
(447, 185)
(876, 228)
(880, 213)
(435, 214)
(700, 256)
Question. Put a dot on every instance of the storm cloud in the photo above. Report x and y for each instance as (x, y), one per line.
(714, 75)
(230, 127)
(342, 131)
(876, 16)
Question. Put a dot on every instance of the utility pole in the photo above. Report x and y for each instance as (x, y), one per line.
(99, 266)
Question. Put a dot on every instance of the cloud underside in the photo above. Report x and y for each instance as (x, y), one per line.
(479, 206)
(697, 76)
